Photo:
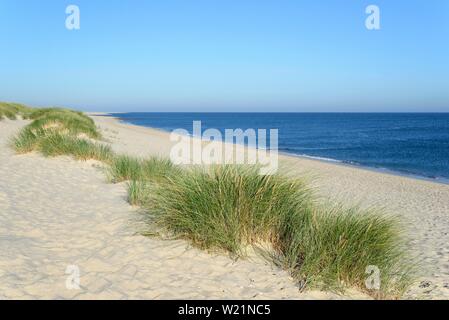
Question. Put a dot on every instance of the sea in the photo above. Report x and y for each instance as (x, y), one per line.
(414, 144)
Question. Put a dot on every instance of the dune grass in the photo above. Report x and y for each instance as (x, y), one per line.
(56, 131)
(27, 140)
(232, 207)
(57, 144)
(13, 110)
(332, 247)
(139, 192)
(125, 168)
(227, 207)
(141, 174)
(66, 121)
(52, 144)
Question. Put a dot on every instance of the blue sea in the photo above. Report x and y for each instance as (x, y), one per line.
(414, 144)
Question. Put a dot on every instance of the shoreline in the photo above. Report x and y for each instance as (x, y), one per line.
(386, 171)
(443, 181)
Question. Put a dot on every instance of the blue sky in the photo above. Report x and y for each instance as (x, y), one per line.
(226, 55)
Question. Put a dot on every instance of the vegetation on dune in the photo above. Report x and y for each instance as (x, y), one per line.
(139, 192)
(124, 168)
(28, 139)
(232, 207)
(56, 131)
(57, 144)
(13, 110)
(332, 246)
(66, 121)
(226, 207)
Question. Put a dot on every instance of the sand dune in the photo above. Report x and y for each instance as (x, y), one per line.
(57, 213)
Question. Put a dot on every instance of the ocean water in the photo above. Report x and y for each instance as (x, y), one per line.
(406, 143)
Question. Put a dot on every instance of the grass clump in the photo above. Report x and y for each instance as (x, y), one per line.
(334, 246)
(231, 207)
(56, 131)
(52, 144)
(13, 110)
(158, 169)
(141, 175)
(57, 144)
(227, 207)
(65, 121)
(138, 192)
(125, 168)
(28, 139)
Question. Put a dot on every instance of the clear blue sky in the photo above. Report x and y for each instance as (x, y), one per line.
(226, 55)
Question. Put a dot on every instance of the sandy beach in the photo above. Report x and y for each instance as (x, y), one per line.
(56, 213)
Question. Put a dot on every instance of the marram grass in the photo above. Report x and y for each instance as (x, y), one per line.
(28, 139)
(138, 192)
(52, 144)
(232, 207)
(126, 168)
(226, 207)
(65, 121)
(58, 144)
(334, 247)
(13, 110)
(55, 131)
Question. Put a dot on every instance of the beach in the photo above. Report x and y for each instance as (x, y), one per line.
(59, 212)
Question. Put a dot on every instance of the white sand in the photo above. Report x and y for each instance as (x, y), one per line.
(59, 212)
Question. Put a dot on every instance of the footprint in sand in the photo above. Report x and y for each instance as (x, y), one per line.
(4, 202)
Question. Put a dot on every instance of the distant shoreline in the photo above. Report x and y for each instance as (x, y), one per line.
(338, 162)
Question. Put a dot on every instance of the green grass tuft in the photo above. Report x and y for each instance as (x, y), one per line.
(65, 121)
(55, 131)
(13, 110)
(158, 169)
(27, 140)
(138, 192)
(232, 207)
(226, 207)
(57, 144)
(332, 247)
(125, 168)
